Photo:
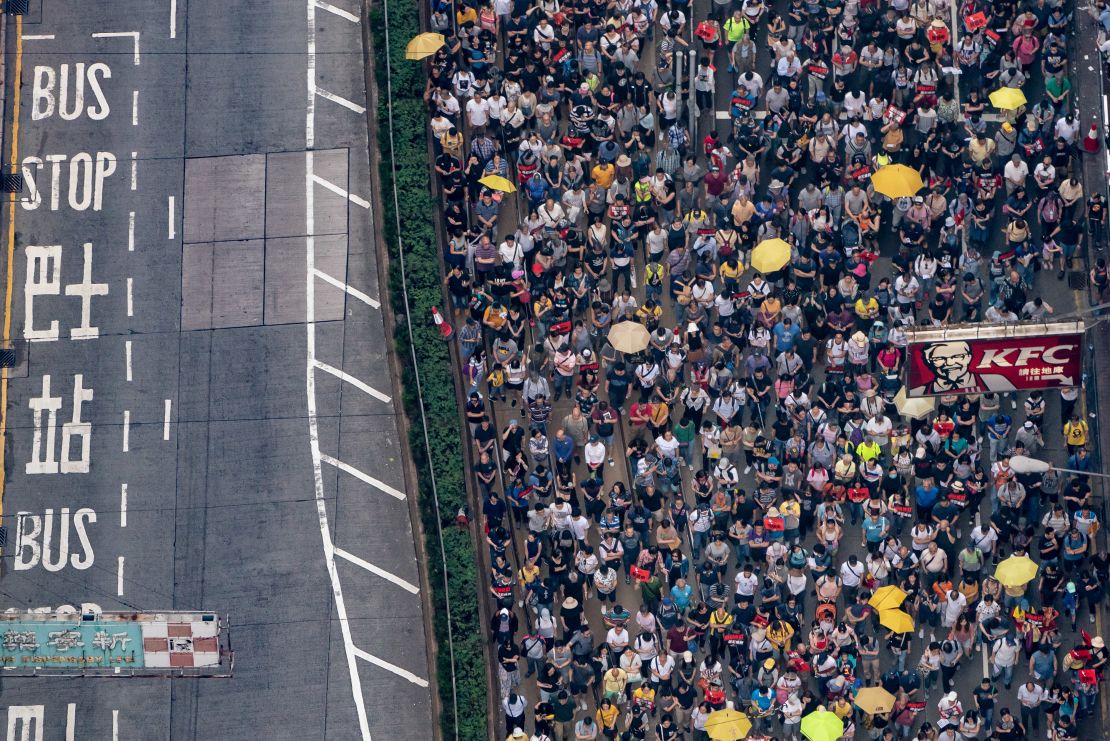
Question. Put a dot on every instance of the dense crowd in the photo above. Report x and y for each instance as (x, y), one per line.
(703, 523)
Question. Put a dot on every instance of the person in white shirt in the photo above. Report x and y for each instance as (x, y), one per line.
(1015, 172)
(954, 605)
(477, 111)
(746, 582)
(1030, 695)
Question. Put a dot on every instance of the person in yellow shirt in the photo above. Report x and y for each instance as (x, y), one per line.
(867, 309)
(604, 173)
(868, 450)
(613, 683)
(1075, 433)
(607, 716)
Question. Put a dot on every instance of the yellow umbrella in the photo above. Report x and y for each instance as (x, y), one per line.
(1008, 98)
(424, 45)
(874, 700)
(1016, 571)
(821, 725)
(914, 408)
(629, 337)
(496, 182)
(727, 725)
(770, 255)
(897, 181)
(889, 597)
(898, 621)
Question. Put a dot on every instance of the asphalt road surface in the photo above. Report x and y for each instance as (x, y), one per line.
(202, 370)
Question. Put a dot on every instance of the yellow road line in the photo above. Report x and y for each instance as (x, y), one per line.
(11, 253)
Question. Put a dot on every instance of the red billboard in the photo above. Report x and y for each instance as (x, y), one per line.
(972, 359)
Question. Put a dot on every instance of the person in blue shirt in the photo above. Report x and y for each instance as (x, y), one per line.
(925, 495)
(875, 529)
(998, 432)
(786, 333)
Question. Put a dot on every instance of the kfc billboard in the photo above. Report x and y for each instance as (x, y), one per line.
(974, 358)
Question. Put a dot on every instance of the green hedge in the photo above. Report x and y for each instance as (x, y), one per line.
(422, 255)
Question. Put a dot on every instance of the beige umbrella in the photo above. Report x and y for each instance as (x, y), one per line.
(914, 408)
(629, 337)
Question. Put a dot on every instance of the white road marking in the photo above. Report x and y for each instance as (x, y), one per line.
(71, 720)
(343, 376)
(127, 356)
(123, 505)
(166, 420)
(349, 289)
(390, 577)
(173, 19)
(310, 375)
(341, 192)
(402, 673)
(126, 430)
(134, 107)
(331, 9)
(131, 231)
(171, 222)
(134, 170)
(115, 722)
(134, 35)
(339, 99)
(39, 37)
(363, 477)
(119, 578)
(130, 306)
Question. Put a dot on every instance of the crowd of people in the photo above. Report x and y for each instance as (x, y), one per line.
(705, 523)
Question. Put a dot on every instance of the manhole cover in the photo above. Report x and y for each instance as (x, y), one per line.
(1077, 280)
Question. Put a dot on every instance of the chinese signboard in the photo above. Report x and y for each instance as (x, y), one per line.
(114, 643)
(90, 644)
(973, 359)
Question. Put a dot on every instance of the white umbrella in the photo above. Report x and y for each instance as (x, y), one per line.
(918, 408)
(1025, 464)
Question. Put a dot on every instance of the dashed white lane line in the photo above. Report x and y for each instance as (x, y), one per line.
(133, 35)
(341, 192)
(115, 724)
(134, 170)
(166, 420)
(351, 105)
(331, 9)
(330, 280)
(134, 107)
(173, 19)
(171, 223)
(363, 477)
(343, 376)
(123, 505)
(402, 673)
(126, 430)
(127, 357)
(131, 231)
(38, 37)
(119, 577)
(388, 576)
(130, 303)
(71, 721)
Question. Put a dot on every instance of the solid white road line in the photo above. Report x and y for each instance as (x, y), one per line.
(126, 430)
(71, 720)
(115, 723)
(353, 381)
(373, 302)
(134, 170)
(351, 105)
(341, 192)
(127, 357)
(402, 583)
(402, 673)
(166, 420)
(363, 477)
(123, 505)
(134, 35)
(331, 9)
(130, 305)
(131, 231)
(134, 107)
(171, 226)
(119, 578)
(173, 19)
